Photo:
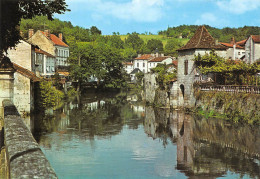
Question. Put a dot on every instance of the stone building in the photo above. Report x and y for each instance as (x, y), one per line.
(159, 60)
(201, 43)
(51, 44)
(147, 61)
(44, 62)
(128, 66)
(252, 48)
(23, 54)
(141, 62)
(17, 84)
(234, 50)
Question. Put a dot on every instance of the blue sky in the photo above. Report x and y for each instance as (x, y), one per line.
(141, 16)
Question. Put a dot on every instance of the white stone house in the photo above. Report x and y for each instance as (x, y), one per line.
(201, 43)
(23, 54)
(44, 62)
(141, 62)
(234, 50)
(128, 66)
(252, 49)
(52, 44)
(159, 60)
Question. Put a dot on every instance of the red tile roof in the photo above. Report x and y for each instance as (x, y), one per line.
(242, 42)
(202, 40)
(144, 57)
(230, 45)
(43, 52)
(27, 73)
(56, 40)
(127, 63)
(175, 62)
(256, 38)
(159, 59)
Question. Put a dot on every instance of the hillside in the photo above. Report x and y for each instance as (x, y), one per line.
(163, 38)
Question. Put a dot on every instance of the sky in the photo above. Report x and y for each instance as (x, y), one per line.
(127, 16)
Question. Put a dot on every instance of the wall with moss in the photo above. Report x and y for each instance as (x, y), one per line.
(235, 107)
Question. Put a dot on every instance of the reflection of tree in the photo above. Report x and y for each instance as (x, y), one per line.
(95, 114)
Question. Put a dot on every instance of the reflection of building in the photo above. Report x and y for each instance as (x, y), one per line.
(206, 148)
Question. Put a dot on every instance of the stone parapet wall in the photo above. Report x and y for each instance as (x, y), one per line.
(25, 158)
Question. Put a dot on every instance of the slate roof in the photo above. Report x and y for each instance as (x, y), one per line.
(27, 73)
(56, 40)
(136, 70)
(38, 50)
(202, 40)
(144, 57)
(159, 59)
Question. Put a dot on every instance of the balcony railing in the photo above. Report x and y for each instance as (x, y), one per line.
(231, 88)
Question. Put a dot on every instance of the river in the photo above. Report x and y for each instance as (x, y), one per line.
(115, 136)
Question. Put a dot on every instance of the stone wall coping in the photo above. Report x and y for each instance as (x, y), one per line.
(25, 158)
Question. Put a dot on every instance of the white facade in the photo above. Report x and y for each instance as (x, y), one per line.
(128, 67)
(252, 51)
(62, 54)
(153, 63)
(141, 64)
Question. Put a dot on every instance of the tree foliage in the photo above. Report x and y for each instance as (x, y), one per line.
(155, 44)
(234, 70)
(13, 11)
(223, 35)
(134, 41)
(163, 75)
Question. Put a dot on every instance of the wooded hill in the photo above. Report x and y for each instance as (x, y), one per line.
(223, 35)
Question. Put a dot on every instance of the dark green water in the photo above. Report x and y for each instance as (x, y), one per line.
(114, 136)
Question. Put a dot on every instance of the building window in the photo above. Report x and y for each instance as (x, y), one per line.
(137, 65)
(238, 53)
(186, 67)
(143, 64)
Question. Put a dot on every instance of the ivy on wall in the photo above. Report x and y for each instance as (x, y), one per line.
(233, 107)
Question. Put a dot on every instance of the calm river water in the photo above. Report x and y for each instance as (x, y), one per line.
(115, 136)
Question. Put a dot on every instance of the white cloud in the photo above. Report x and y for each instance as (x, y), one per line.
(210, 19)
(135, 10)
(238, 6)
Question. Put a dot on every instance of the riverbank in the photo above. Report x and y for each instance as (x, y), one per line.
(233, 107)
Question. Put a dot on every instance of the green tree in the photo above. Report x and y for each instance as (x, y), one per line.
(95, 31)
(13, 11)
(133, 40)
(154, 44)
(171, 46)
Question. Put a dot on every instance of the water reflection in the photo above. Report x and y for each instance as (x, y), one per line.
(101, 132)
(207, 147)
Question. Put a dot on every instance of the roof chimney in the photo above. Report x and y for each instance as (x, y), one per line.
(216, 42)
(30, 33)
(60, 36)
(47, 33)
(233, 41)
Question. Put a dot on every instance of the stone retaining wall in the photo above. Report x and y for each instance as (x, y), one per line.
(25, 158)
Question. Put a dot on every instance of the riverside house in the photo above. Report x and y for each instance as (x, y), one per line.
(53, 45)
(201, 43)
